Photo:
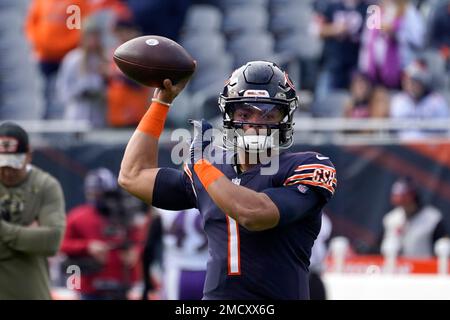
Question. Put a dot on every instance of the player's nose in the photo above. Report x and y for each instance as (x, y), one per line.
(256, 119)
(252, 129)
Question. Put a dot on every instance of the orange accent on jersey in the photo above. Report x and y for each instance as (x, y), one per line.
(238, 240)
(297, 181)
(317, 184)
(153, 121)
(188, 172)
(314, 166)
(298, 177)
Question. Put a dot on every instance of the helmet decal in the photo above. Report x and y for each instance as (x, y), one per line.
(256, 93)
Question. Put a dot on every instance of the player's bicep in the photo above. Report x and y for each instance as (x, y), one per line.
(173, 190)
(294, 203)
(142, 185)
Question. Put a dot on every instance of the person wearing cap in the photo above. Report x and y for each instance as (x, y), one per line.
(418, 100)
(101, 240)
(32, 219)
(414, 225)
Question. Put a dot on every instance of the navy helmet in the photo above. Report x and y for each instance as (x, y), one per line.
(262, 86)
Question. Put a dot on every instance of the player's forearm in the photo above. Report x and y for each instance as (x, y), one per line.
(6, 252)
(139, 164)
(43, 240)
(252, 210)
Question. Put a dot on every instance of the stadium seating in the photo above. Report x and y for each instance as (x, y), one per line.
(303, 45)
(254, 46)
(436, 64)
(290, 18)
(203, 19)
(214, 64)
(241, 3)
(245, 19)
(20, 90)
(332, 105)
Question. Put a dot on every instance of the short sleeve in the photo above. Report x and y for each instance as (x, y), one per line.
(314, 171)
(295, 203)
(174, 190)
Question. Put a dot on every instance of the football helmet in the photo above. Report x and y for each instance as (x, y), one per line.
(100, 180)
(258, 95)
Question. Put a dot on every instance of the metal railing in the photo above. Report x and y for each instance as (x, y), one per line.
(307, 130)
(344, 124)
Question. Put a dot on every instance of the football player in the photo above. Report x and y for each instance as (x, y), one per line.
(260, 228)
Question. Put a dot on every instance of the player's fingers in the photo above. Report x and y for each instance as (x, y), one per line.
(168, 84)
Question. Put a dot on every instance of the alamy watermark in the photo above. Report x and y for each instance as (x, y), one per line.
(73, 20)
(267, 156)
(373, 20)
(73, 281)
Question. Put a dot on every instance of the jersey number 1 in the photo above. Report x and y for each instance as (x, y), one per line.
(234, 246)
(234, 253)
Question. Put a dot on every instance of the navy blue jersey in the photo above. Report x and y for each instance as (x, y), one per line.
(269, 264)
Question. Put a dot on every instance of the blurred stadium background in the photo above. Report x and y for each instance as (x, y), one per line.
(363, 119)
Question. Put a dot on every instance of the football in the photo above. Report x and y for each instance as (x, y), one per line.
(150, 59)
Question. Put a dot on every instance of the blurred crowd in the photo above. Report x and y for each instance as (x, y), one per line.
(396, 67)
(390, 60)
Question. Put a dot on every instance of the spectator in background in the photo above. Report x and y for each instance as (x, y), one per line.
(51, 38)
(367, 100)
(418, 100)
(341, 25)
(440, 26)
(81, 82)
(163, 18)
(387, 51)
(53, 32)
(32, 219)
(101, 239)
(414, 226)
(440, 30)
(127, 100)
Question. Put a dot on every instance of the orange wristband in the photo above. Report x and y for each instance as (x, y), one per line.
(206, 172)
(153, 121)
